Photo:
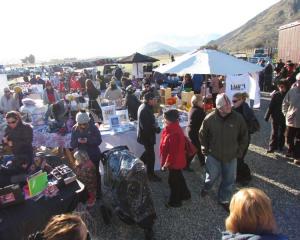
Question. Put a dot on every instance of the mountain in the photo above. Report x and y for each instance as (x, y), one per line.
(262, 30)
(158, 48)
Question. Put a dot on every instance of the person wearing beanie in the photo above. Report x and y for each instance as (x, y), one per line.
(224, 138)
(86, 136)
(131, 103)
(172, 153)
(146, 130)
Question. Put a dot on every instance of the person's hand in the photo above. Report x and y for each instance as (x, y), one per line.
(82, 140)
(204, 151)
(165, 166)
(10, 143)
(4, 139)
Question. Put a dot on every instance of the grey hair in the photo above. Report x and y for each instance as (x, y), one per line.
(81, 156)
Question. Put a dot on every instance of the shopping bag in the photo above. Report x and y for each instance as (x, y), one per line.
(190, 149)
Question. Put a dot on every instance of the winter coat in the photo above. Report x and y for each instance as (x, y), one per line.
(8, 104)
(21, 137)
(94, 139)
(195, 119)
(45, 96)
(172, 146)
(248, 116)
(146, 125)
(275, 108)
(247, 236)
(132, 103)
(291, 107)
(225, 138)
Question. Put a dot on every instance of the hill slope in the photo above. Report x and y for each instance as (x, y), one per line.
(261, 30)
(158, 48)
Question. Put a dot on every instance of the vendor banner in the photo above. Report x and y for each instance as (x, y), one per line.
(243, 83)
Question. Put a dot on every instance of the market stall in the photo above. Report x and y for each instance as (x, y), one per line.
(17, 222)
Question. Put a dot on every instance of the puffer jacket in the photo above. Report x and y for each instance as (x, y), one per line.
(172, 146)
(225, 138)
(247, 236)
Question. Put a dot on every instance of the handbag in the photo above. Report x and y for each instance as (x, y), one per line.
(190, 149)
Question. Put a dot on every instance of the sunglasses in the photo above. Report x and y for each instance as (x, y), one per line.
(234, 101)
(12, 122)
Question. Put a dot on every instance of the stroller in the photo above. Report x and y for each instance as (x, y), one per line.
(126, 184)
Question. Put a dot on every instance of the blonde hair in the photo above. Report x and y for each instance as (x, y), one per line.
(196, 99)
(250, 212)
(241, 95)
(64, 226)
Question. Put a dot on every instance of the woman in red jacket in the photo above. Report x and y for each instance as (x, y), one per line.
(172, 152)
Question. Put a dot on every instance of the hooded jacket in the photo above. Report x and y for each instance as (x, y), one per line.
(172, 146)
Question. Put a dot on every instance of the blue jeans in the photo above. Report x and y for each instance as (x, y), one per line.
(214, 168)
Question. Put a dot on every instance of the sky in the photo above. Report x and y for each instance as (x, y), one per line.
(51, 29)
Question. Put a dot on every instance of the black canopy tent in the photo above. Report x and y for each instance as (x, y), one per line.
(137, 58)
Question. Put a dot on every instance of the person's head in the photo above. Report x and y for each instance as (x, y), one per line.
(89, 84)
(187, 77)
(7, 92)
(82, 119)
(130, 89)
(81, 157)
(223, 104)
(239, 98)
(197, 100)
(48, 85)
(282, 85)
(250, 212)
(112, 84)
(13, 118)
(298, 80)
(66, 227)
(149, 98)
(146, 84)
(171, 116)
(17, 89)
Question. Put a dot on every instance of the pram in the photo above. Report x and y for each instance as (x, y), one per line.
(126, 184)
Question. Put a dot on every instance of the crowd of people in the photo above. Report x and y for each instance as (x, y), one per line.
(221, 139)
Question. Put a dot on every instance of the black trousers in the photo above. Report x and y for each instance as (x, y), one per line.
(148, 157)
(277, 135)
(178, 187)
(292, 134)
(242, 169)
(96, 161)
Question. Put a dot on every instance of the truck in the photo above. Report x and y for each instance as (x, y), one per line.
(288, 42)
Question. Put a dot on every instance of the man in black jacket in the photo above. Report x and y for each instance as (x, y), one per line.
(146, 134)
(278, 121)
(131, 102)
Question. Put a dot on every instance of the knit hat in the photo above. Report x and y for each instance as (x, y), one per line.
(149, 96)
(171, 115)
(82, 117)
(222, 100)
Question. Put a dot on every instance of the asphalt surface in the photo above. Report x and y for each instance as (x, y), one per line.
(202, 218)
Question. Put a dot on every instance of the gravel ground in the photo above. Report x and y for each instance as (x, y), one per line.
(203, 218)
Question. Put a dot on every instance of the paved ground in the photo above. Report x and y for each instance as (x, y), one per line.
(204, 218)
